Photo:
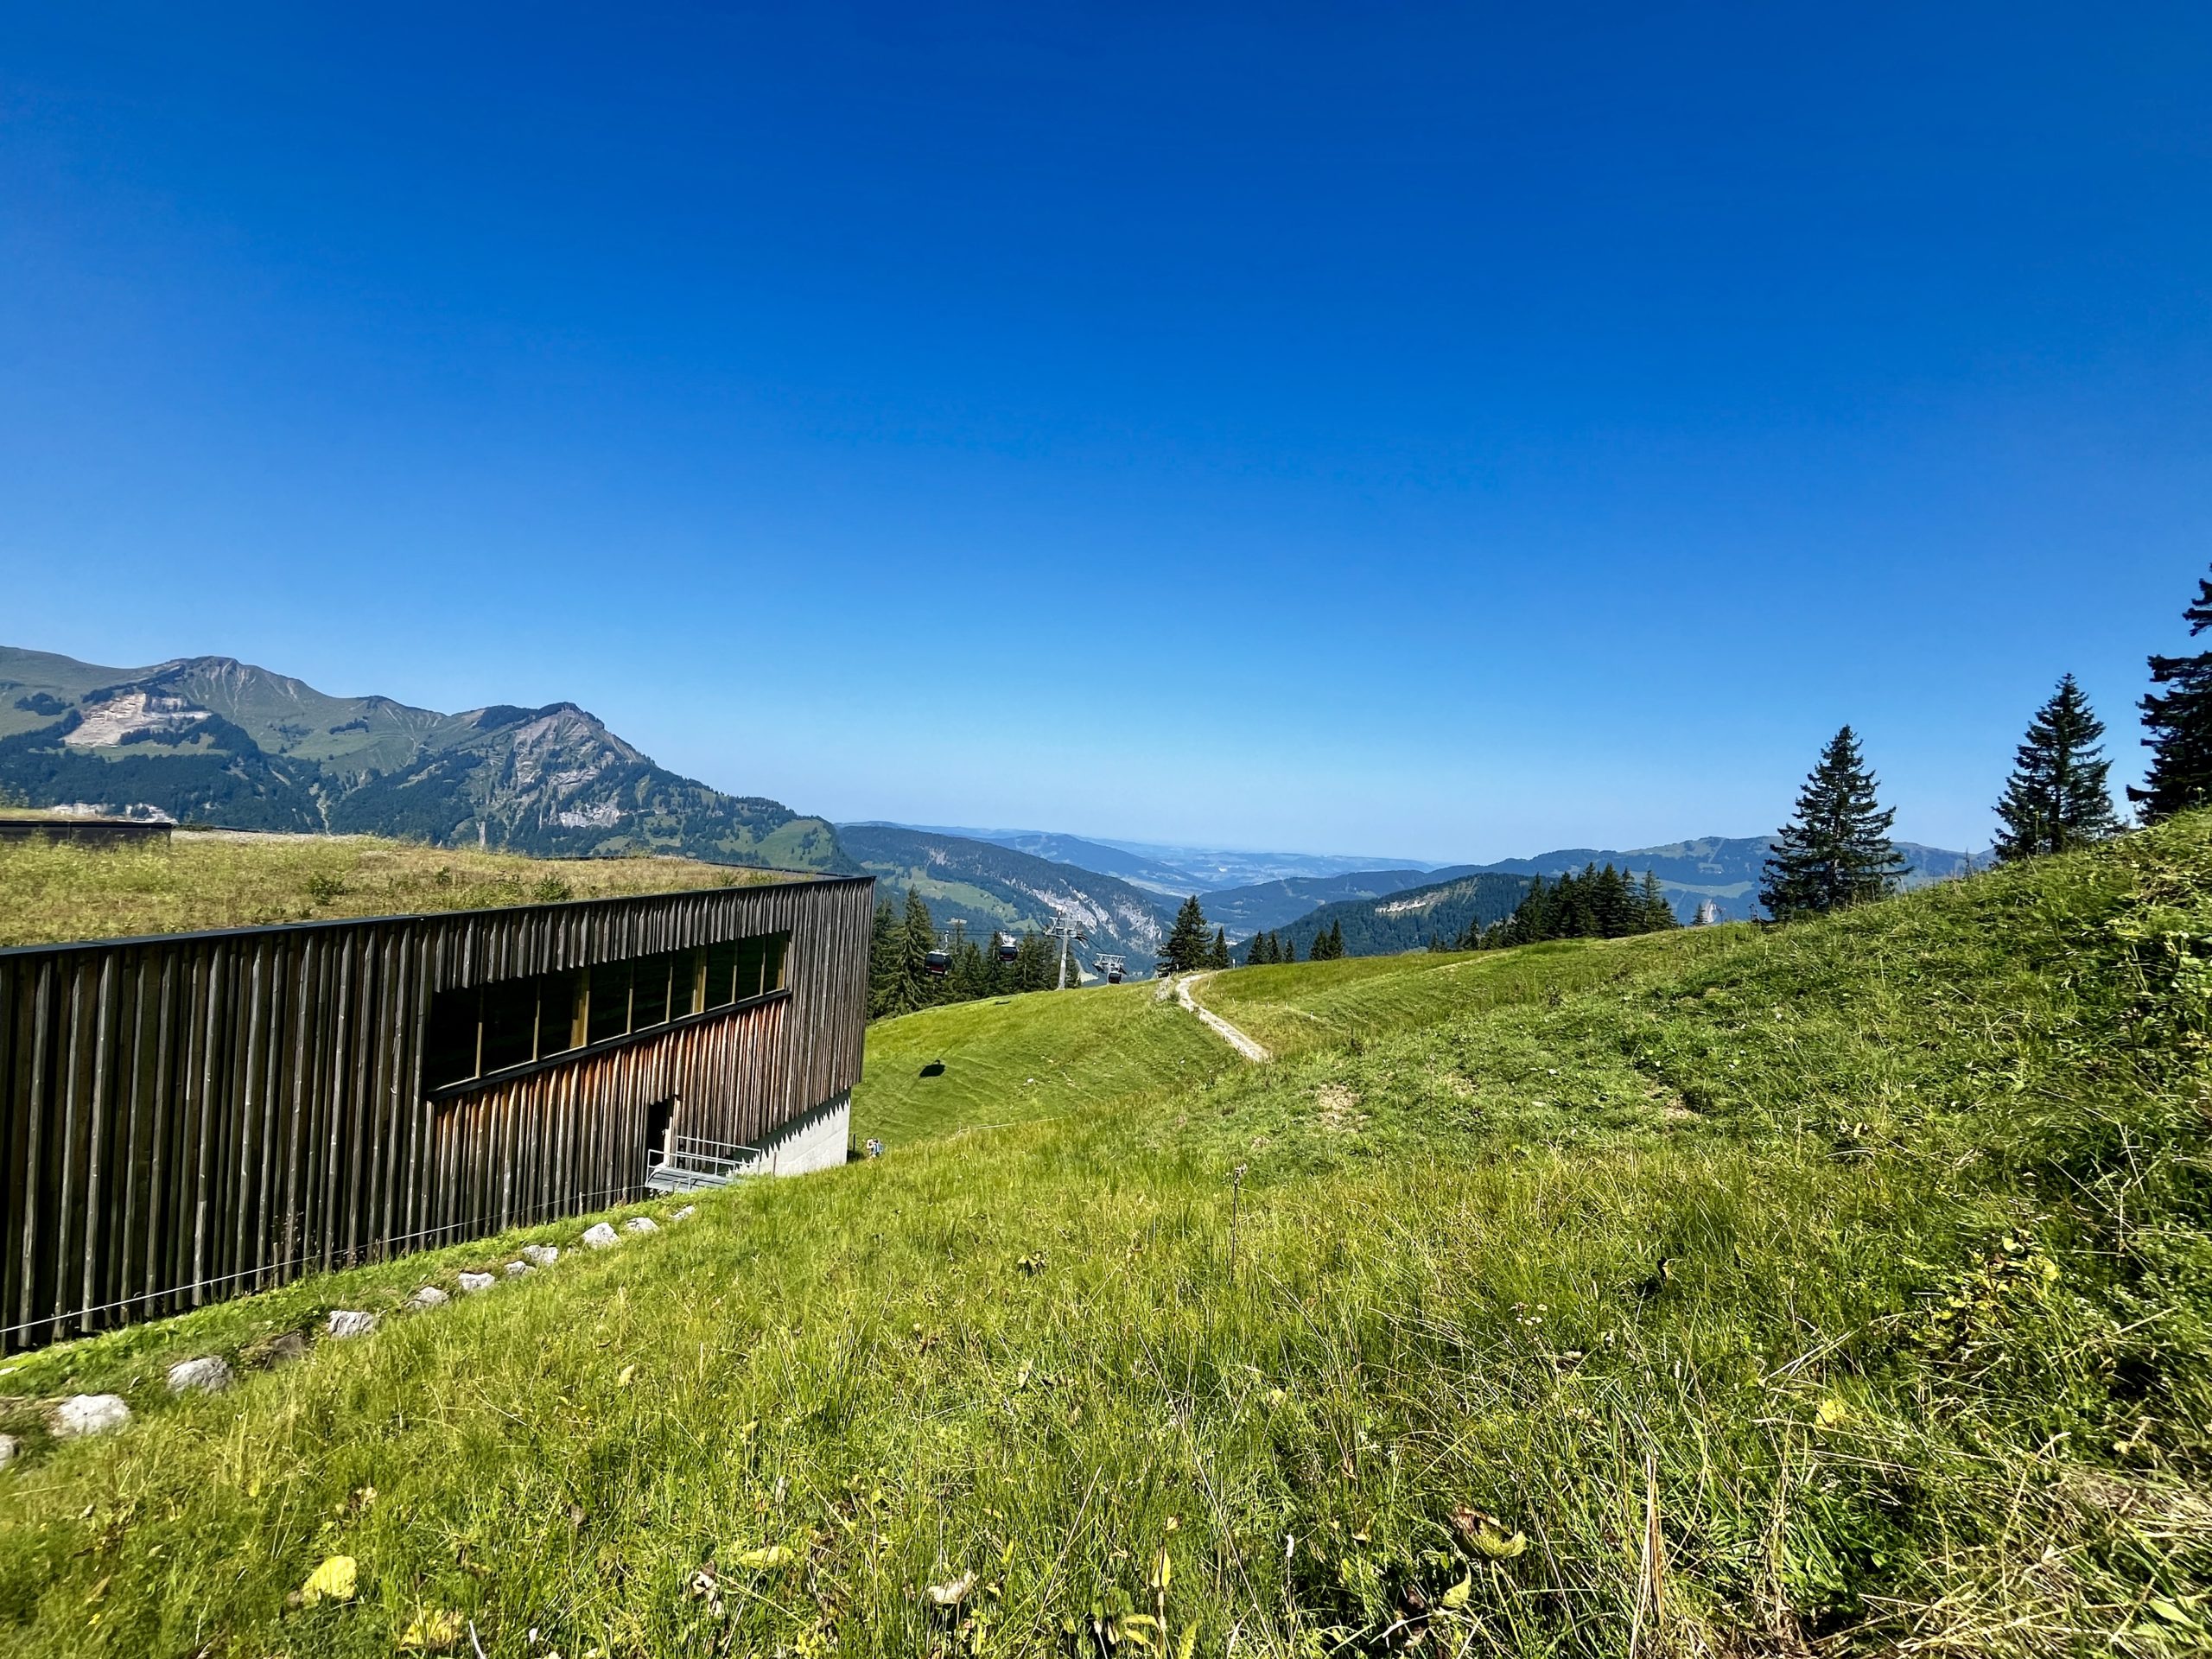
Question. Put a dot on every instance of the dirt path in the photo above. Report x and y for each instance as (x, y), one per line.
(1229, 1033)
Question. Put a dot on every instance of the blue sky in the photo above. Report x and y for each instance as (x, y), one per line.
(1445, 432)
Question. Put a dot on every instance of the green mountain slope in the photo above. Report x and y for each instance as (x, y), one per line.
(1407, 920)
(210, 739)
(990, 886)
(1268, 905)
(1839, 1288)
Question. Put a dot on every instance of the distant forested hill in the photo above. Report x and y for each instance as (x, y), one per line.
(1409, 920)
(211, 740)
(1722, 869)
(989, 886)
(1725, 869)
(1246, 910)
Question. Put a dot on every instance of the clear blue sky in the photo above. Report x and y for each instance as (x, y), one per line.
(1437, 432)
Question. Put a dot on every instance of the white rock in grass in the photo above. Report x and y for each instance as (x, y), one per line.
(541, 1255)
(641, 1224)
(517, 1269)
(9, 1447)
(205, 1375)
(600, 1236)
(89, 1414)
(346, 1322)
(685, 1213)
(428, 1296)
(473, 1284)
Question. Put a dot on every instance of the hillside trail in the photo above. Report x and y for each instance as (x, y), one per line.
(1237, 1039)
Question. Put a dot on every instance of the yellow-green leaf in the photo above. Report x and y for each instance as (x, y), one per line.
(1497, 1545)
(767, 1558)
(1456, 1597)
(333, 1581)
(432, 1632)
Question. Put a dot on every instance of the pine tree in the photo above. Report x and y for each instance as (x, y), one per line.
(1218, 953)
(1613, 905)
(1288, 949)
(885, 946)
(1836, 850)
(2180, 724)
(2057, 797)
(1658, 914)
(1036, 967)
(1187, 948)
(917, 938)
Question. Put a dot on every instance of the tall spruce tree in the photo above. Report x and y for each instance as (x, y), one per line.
(885, 965)
(917, 938)
(1188, 948)
(1218, 953)
(1658, 914)
(2179, 720)
(1836, 850)
(2057, 797)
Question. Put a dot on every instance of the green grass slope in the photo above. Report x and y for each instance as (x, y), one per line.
(1842, 1289)
(1014, 1058)
(55, 893)
(1295, 1007)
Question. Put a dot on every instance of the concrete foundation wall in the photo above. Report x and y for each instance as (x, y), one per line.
(818, 1140)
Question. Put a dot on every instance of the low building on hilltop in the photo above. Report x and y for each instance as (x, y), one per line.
(199, 1116)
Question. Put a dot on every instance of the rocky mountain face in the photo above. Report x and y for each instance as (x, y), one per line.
(209, 739)
(989, 886)
(1407, 920)
(1267, 904)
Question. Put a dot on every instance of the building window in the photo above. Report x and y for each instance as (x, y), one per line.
(490, 1028)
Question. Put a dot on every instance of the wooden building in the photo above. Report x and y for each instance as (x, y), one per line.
(199, 1116)
(88, 832)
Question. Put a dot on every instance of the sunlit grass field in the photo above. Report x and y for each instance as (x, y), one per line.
(51, 893)
(1841, 1288)
(1012, 1058)
(1295, 1006)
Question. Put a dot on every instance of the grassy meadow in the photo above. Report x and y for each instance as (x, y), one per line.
(55, 892)
(1842, 1289)
(1013, 1058)
(1295, 1006)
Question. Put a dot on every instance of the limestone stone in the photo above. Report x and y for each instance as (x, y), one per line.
(207, 1375)
(541, 1255)
(89, 1414)
(430, 1296)
(346, 1322)
(600, 1236)
(641, 1224)
(473, 1284)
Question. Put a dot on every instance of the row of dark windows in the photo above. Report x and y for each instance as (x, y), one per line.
(488, 1028)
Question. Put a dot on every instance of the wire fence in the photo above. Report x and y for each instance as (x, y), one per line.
(383, 1250)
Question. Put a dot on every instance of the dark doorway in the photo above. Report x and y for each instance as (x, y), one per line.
(659, 1117)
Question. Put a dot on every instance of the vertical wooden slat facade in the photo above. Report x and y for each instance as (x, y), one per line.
(195, 1117)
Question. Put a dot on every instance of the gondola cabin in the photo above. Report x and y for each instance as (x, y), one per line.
(1009, 950)
(938, 963)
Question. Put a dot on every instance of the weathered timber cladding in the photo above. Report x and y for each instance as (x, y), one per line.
(191, 1117)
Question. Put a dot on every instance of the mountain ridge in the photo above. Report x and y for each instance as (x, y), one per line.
(990, 885)
(217, 740)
